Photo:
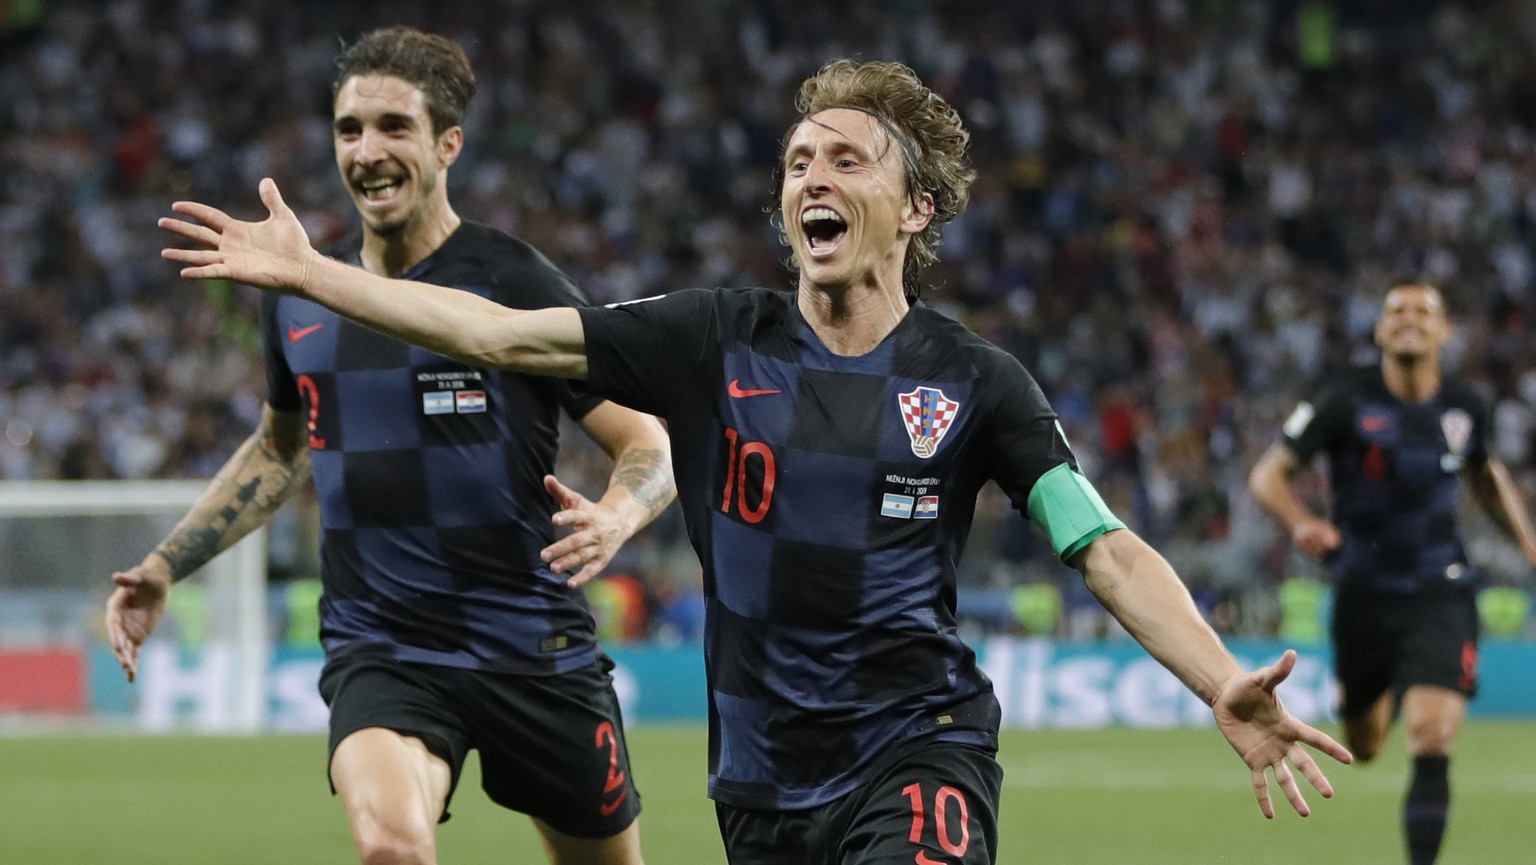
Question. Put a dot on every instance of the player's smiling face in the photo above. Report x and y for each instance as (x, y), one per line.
(844, 201)
(1413, 322)
(391, 162)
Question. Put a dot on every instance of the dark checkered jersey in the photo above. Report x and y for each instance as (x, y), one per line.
(1394, 468)
(429, 475)
(829, 499)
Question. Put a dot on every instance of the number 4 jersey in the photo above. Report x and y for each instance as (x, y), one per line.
(829, 499)
(430, 474)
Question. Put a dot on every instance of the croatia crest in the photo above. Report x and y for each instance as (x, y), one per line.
(927, 413)
(1457, 426)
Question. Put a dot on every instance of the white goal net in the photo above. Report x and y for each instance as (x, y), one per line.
(206, 667)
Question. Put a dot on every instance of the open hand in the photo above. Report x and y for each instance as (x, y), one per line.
(273, 254)
(134, 609)
(597, 532)
(1249, 713)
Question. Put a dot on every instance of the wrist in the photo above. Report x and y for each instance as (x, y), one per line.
(162, 563)
(309, 265)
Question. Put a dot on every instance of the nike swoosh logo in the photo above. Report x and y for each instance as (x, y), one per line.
(738, 392)
(297, 333)
(607, 809)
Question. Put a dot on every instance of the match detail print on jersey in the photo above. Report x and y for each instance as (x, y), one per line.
(454, 392)
(927, 414)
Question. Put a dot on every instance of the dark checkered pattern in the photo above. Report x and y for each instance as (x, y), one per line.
(831, 629)
(1395, 470)
(429, 475)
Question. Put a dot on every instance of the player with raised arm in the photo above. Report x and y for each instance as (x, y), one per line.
(451, 616)
(1400, 437)
(838, 436)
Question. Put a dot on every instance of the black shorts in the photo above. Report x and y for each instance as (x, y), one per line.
(551, 747)
(929, 802)
(1384, 642)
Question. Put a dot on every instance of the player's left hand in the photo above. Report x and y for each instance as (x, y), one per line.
(1249, 713)
(597, 532)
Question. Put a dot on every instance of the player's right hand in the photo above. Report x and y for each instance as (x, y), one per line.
(274, 253)
(135, 608)
(1317, 538)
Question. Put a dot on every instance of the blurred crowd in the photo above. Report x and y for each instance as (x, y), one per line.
(1187, 212)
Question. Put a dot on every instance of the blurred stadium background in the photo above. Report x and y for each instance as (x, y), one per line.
(1186, 212)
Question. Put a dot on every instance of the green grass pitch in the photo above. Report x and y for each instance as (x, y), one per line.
(1110, 796)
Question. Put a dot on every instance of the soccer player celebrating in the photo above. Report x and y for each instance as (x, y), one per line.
(1399, 437)
(837, 437)
(446, 621)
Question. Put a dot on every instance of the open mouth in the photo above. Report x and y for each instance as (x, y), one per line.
(381, 189)
(823, 228)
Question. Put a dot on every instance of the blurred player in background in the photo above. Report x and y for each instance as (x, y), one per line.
(1399, 437)
(837, 436)
(444, 622)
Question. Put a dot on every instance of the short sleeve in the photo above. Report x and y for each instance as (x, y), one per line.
(282, 390)
(1315, 423)
(648, 354)
(1024, 437)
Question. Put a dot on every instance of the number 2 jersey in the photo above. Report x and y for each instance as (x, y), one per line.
(829, 499)
(1395, 469)
(430, 473)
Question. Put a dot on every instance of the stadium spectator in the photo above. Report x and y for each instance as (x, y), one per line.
(828, 503)
(446, 623)
(1399, 436)
(1164, 185)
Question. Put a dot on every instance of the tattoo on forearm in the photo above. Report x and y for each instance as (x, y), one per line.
(647, 474)
(255, 481)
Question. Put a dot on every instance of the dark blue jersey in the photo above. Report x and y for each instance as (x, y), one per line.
(1394, 468)
(829, 499)
(430, 475)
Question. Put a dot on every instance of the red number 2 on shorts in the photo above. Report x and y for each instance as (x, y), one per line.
(941, 803)
(615, 780)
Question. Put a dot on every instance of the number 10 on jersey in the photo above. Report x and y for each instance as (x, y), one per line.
(737, 477)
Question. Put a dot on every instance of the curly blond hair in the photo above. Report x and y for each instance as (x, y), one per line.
(932, 139)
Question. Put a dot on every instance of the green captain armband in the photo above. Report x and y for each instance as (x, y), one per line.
(1070, 510)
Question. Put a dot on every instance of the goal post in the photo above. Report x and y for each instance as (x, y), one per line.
(60, 541)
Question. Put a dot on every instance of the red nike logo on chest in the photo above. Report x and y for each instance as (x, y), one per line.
(738, 392)
(297, 333)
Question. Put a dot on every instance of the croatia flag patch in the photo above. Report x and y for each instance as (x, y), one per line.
(927, 414)
(469, 401)
(927, 508)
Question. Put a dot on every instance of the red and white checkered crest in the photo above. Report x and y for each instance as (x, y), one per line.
(927, 413)
(1457, 426)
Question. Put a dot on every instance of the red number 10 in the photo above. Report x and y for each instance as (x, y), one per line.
(736, 478)
(941, 803)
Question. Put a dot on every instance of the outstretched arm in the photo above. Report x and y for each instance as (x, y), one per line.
(1141, 590)
(275, 254)
(1270, 483)
(1500, 498)
(639, 489)
(263, 473)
